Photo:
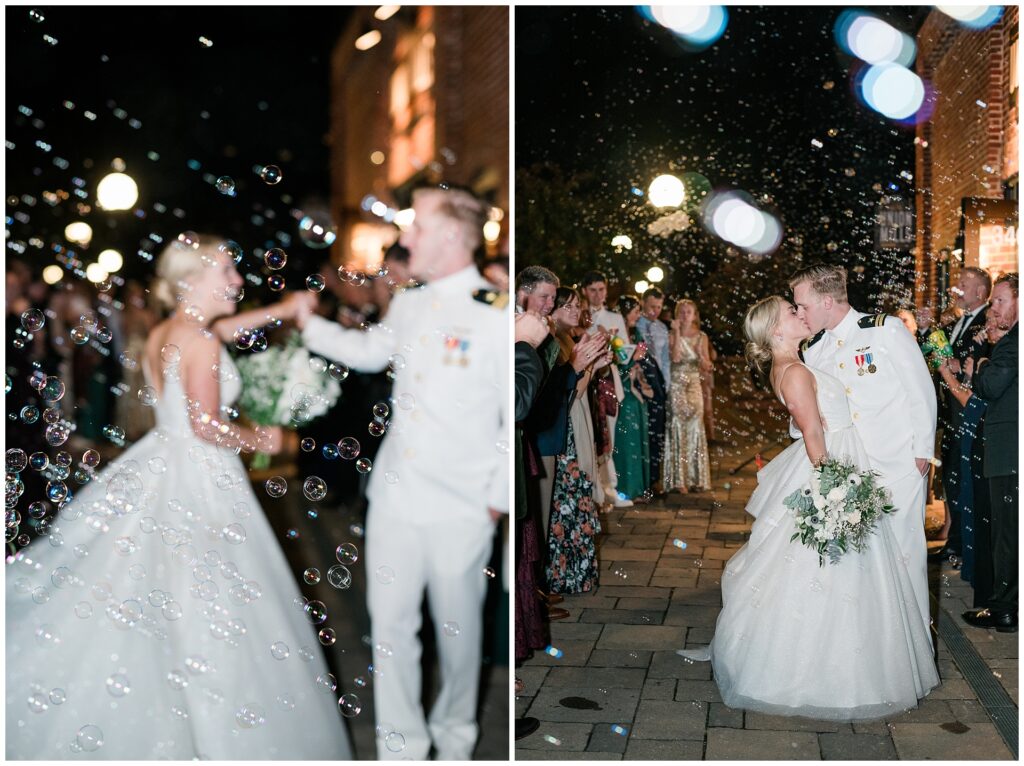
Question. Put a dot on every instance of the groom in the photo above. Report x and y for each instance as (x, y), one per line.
(891, 397)
(441, 478)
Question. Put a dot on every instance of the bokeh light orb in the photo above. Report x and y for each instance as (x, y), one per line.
(696, 26)
(733, 217)
(317, 233)
(110, 261)
(655, 274)
(53, 274)
(892, 90)
(666, 191)
(117, 191)
(95, 273)
(973, 16)
(641, 287)
(622, 241)
(78, 232)
(873, 40)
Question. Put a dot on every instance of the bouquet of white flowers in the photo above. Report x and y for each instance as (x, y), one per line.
(837, 509)
(285, 386)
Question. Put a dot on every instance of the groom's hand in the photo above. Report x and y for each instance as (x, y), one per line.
(922, 465)
(300, 306)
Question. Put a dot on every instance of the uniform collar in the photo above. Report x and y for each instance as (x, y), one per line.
(969, 315)
(846, 324)
(461, 280)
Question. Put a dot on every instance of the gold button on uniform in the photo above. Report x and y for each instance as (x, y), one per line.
(856, 416)
(839, 343)
(849, 390)
(842, 365)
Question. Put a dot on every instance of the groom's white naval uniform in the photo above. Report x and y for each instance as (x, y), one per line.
(893, 405)
(443, 463)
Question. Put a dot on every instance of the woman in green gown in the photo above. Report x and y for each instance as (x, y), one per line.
(632, 452)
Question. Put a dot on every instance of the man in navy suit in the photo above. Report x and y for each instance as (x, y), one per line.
(972, 292)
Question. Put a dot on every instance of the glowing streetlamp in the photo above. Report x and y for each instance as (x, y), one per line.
(666, 191)
(110, 261)
(78, 232)
(368, 40)
(655, 274)
(622, 242)
(117, 191)
(53, 274)
(385, 12)
(95, 273)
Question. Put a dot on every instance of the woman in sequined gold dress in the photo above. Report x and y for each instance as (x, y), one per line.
(685, 465)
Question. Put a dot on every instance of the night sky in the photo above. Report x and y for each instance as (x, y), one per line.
(606, 100)
(257, 96)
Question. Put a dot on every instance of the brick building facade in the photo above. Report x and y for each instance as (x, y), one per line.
(966, 153)
(428, 102)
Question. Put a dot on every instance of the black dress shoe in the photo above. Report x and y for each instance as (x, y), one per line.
(1003, 622)
(526, 726)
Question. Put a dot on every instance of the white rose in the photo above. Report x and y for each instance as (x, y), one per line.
(854, 518)
(819, 500)
(838, 493)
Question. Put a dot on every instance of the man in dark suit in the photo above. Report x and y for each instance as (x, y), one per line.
(972, 292)
(996, 381)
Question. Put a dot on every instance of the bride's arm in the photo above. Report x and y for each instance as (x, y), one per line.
(797, 386)
(202, 388)
(226, 327)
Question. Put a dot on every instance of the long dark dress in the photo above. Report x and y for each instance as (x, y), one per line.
(632, 447)
(572, 548)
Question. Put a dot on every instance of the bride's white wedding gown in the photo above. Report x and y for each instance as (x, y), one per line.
(160, 619)
(838, 642)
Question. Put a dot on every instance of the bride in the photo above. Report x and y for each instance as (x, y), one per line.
(160, 619)
(840, 642)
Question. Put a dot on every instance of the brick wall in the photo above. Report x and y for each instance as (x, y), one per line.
(968, 147)
(470, 94)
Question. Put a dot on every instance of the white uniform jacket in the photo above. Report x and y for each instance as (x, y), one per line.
(892, 400)
(445, 455)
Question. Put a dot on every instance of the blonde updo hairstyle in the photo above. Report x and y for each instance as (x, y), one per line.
(687, 302)
(758, 326)
(178, 263)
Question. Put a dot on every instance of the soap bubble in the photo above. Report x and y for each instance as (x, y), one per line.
(250, 716)
(314, 488)
(90, 738)
(16, 460)
(118, 685)
(347, 553)
(79, 335)
(326, 682)
(350, 705)
(327, 637)
(231, 248)
(307, 445)
(315, 283)
(279, 650)
(276, 283)
(33, 320)
(385, 575)
(316, 612)
(376, 428)
(276, 486)
(311, 576)
(189, 240)
(225, 185)
(338, 371)
(170, 354)
(349, 448)
(53, 389)
(317, 233)
(395, 742)
(381, 410)
(391, 477)
(271, 174)
(451, 629)
(339, 577)
(364, 465)
(275, 258)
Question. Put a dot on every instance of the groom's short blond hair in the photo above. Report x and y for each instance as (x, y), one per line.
(824, 279)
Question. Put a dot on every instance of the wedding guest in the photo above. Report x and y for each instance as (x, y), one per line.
(595, 287)
(972, 490)
(495, 271)
(657, 369)
(574, 524)
(432, 532)
(632, 444)
(530, 331)
(996, 381)
(686, 463)
(138, 319)
(971, 291)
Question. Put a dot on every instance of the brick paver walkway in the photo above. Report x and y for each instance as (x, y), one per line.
(617, 689)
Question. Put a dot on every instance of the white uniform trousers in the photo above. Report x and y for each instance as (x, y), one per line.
(907, 524)
(446, 558)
